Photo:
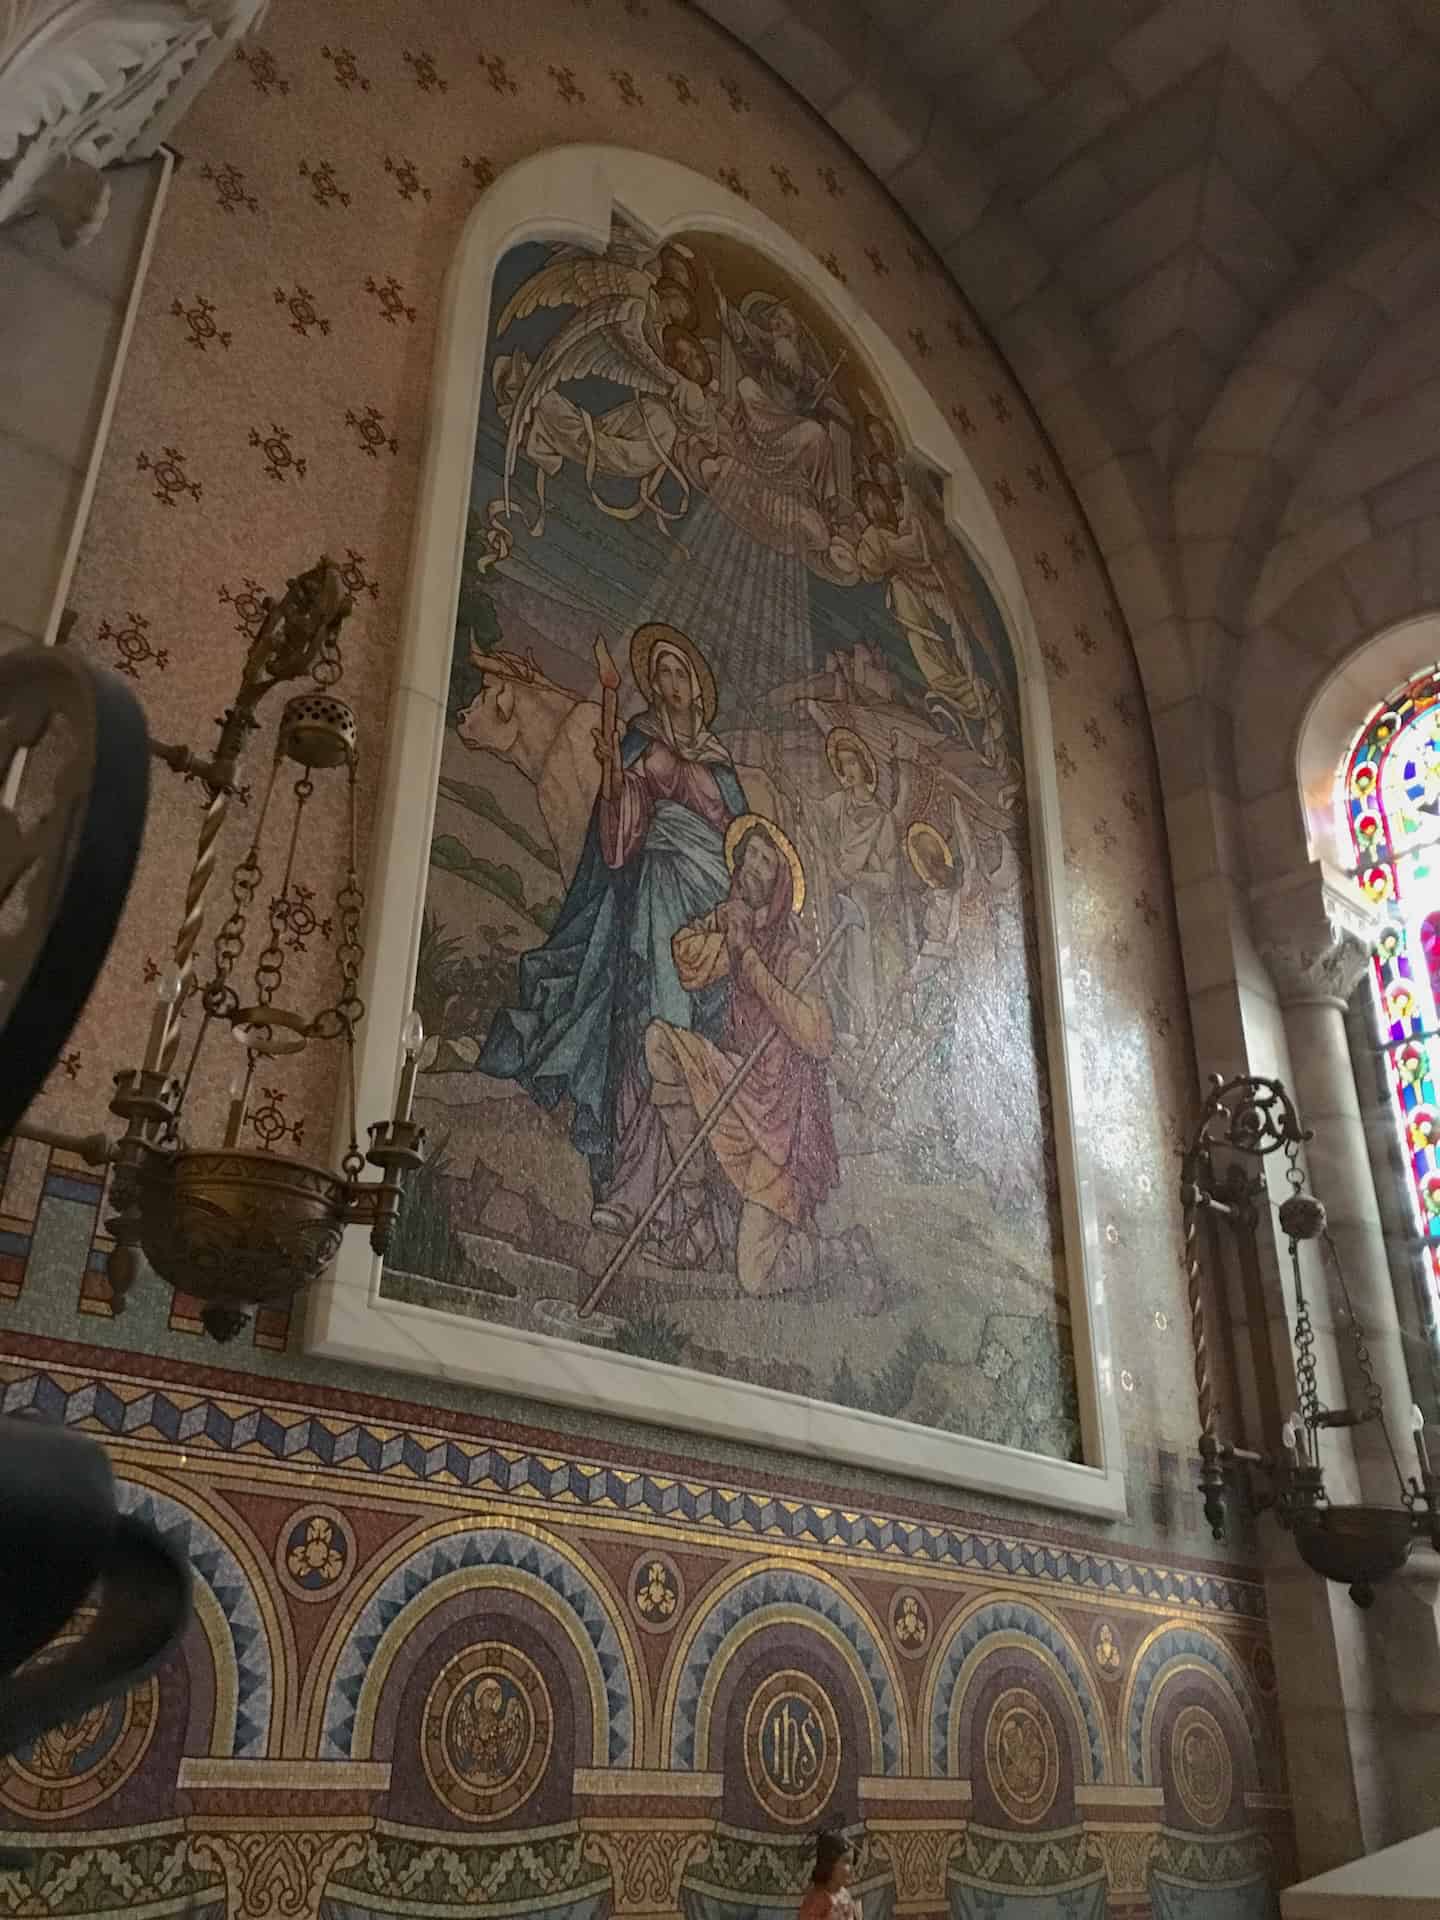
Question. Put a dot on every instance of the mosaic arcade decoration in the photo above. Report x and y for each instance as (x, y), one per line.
(401, 1698)
(728, 951)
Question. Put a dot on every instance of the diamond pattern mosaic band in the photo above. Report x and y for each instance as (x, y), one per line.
(335, 1441)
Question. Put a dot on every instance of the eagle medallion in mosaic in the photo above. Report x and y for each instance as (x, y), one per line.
(77, 1766)
(1022, 1755)
(488, 1727)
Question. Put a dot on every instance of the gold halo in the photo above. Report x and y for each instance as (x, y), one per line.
(922, 834)
(839, 737)
(642, 645)
(736, 832)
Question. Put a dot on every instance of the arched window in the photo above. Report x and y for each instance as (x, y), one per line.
(1390, 806)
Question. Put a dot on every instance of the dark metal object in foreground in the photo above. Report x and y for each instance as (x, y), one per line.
(67, 851)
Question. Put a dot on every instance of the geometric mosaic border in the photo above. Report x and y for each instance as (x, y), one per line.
(370, 1450)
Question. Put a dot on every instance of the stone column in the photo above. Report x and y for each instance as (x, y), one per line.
(1315, 935)
(1122, 1826)
(1344, 1675)
(919, 1823)
(278, 1829)
(646, 1829)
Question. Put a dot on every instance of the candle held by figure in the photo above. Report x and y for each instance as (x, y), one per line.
(609, 712)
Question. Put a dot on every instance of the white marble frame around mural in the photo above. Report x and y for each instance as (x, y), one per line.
(569, 194)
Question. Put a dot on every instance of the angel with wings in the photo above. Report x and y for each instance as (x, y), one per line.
(633, 322)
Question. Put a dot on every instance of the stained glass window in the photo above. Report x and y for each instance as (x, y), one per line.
(1391, 811)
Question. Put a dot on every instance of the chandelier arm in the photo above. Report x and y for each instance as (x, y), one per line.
(95, 1149)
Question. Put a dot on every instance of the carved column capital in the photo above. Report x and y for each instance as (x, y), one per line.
(1315, 931)
(278, 1870)
(919, 1825)
(1122, 1829)
(647, 1861)
(919, 1857)
(93, 83)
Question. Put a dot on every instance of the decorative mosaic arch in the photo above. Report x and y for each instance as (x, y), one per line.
(235, 1594)
(1389, 804)
(997, 1623)
(775, 1596)
(1172, 1649)
(480, 1557)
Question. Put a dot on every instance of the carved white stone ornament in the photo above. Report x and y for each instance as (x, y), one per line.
(1316, 932)
(87, 84)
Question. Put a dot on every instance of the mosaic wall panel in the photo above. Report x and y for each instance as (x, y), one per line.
(434, 1671)
(733, 765)
(274, 405)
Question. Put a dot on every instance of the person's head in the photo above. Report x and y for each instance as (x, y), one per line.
(853, 773)
(784, 321)
(888, 481)
(936, 870)
(757, 869)
(675, 267)
(879, 439)
(833, 1862)
(876, 505)
(687, 355)
(677, 305)
(675, 687)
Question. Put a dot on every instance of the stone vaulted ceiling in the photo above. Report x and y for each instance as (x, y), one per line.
(1176, 168)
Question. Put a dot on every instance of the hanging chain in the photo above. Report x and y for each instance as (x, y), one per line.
(1374, 1393)
(1304, 1337)
(270, 961)
(1304, 1348)
(1374, 1397)
(220, 999)
(349, 1009)
(328, 666)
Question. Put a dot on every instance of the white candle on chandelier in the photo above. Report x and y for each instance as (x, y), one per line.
(412, 1039)
(1417, 1425)
(1289, 1439)
(167, 992)
(239, 1088)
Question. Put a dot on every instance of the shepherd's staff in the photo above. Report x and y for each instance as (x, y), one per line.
(847, 916)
